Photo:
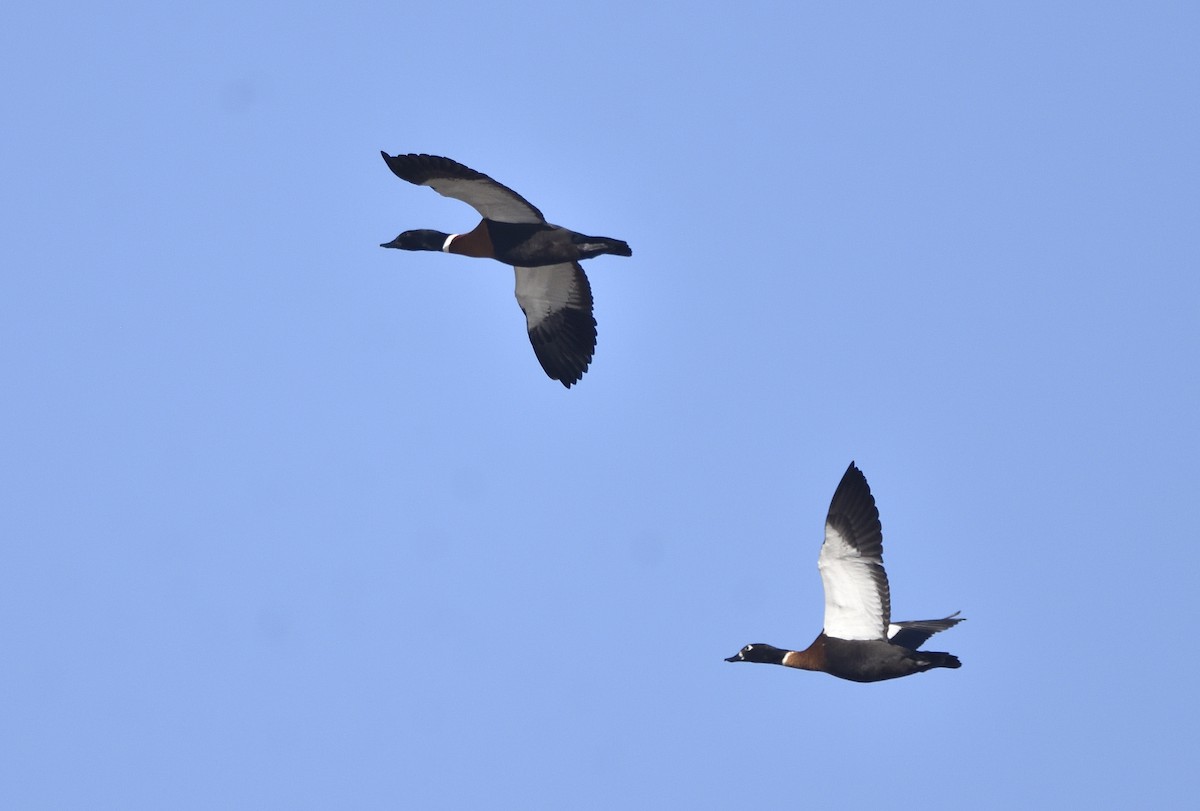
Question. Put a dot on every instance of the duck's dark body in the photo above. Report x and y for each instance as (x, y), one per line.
(866, 660)
(534, 245)
(520, 244)
(862, 660)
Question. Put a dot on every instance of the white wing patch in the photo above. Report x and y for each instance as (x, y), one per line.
(545, 290)
(489, 198)
(853, 604)
(557, 302)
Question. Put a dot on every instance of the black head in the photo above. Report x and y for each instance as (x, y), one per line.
(759, 652)
(422, 239)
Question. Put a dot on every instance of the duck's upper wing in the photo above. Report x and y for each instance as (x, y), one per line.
(557, 302)
(858, 604)
(492, 200)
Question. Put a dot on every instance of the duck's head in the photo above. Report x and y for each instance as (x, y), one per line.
(423, 239)
(759, 652)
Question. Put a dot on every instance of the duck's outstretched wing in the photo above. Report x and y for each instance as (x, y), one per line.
(557, 302)
(912, 634)
(858, 604)
(492, 200)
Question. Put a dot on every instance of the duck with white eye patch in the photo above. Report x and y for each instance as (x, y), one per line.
(859, 641)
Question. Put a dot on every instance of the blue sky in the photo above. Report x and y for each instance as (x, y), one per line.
(292, 521)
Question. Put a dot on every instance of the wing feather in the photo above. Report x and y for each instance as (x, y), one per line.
(912, 634)
(857, 598)
(557, 302)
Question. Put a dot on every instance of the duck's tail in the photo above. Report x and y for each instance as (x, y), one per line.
(927, 660)
(594, 246)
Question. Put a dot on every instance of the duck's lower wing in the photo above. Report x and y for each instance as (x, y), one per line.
(912, 634)
(557, 302)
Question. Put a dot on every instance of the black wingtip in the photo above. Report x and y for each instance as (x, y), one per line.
(564, 345)
(419, 168)
(853, 479)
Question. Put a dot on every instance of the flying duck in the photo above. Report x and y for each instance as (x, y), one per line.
(859, 641)
(552, 289)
